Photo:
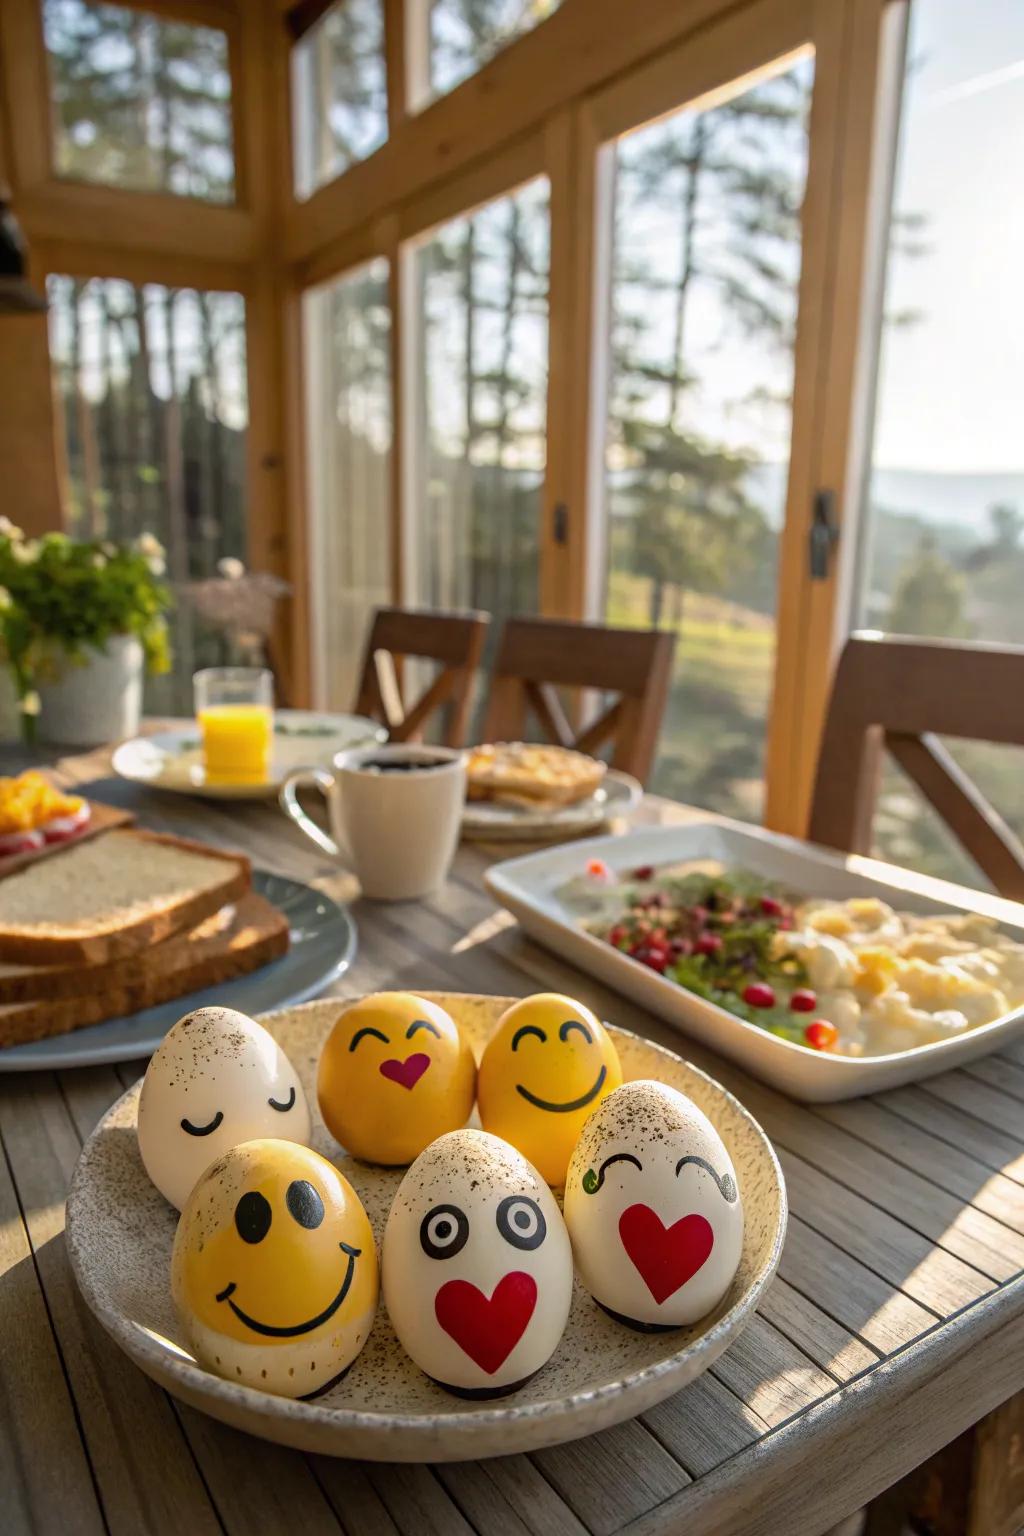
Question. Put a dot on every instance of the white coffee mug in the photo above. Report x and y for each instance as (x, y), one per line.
(395, 813)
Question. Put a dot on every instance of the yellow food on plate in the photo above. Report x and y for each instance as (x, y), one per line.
(394, 1075)
(519, 773)
(30, 801)
(547, 1066)
(274, 1270)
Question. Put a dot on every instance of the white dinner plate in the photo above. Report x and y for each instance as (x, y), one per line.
(173, 759)
(120, 1232)
(619, 794)
(529, 887)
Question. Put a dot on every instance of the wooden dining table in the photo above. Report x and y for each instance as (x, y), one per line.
(896, 1320)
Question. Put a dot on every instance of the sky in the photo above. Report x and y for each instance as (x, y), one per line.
(951, 395)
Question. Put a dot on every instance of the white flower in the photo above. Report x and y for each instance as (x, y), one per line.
(10, 530)
(149, 545)
(109, 549)
(29, 704)
(99, 561)
(230, 568)
(5, 599)
(25, 553)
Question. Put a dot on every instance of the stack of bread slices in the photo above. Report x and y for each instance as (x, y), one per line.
(123, 921)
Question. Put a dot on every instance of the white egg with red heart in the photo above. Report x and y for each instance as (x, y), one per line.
(476, 1265)
(217, 1079)
(653, 1208)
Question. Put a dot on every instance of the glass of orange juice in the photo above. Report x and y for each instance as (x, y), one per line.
(235, 713)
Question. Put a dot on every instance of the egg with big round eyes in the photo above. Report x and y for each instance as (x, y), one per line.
(653, 1208)
(394, 1074)
(548, 1064)
(274, 1271)
(216, 1079)
(476, 1265)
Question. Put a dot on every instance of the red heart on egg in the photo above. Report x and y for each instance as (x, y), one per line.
(487, 1328)
(406, 1073)
(665, 1256)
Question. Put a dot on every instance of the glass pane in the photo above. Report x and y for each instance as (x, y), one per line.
(140, 102)
(348, 335)
(152, 389)
(944, 523)
(704, 299)
(464, 34)
(943, 526)
(339, 93)
(481, 402)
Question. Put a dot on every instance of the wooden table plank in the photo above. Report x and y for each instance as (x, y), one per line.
(1000, 1073)
(705, 1424)
(961, 1128)
(990, 1105)
(610, 1478)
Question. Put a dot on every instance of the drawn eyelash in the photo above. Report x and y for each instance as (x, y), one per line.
(203, 1130)
(725, 1181)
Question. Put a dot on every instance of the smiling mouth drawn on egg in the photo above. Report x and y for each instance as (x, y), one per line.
(580, 1103)
(271, 1332)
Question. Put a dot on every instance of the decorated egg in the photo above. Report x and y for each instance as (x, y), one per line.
(394, 1075)
(476, 1265)
(548, 1064)
(274, 1271)
(216, 1079)
(653, 1208)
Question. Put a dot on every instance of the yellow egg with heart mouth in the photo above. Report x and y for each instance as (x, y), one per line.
(547, 1066)
(394, 1075)
(274, 1270)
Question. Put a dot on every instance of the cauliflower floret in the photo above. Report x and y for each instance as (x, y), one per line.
(972, 926)
(829, 962)
(933, 946)
(947, 985)
(893, 1024)
(842, 1009)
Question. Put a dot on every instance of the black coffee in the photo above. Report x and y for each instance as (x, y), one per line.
(403, 764)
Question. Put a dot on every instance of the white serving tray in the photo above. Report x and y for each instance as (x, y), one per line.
(527, 886)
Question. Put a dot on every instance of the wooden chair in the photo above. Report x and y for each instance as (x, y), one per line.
(901, 695)
(537, 656)
(454, 640)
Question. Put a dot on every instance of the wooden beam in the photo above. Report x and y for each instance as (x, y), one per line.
(578, 48)
(156, 222)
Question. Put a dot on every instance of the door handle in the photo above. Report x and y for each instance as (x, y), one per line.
(823, 534)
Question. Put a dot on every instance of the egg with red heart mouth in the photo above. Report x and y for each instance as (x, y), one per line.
(653, 1208)
(476, 1265)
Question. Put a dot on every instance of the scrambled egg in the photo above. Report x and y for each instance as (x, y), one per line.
(891, 981)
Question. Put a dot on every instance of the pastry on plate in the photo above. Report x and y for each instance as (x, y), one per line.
(533, 776)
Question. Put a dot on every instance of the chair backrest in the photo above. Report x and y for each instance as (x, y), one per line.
(900, 696)
(537, 656)
(454, 640)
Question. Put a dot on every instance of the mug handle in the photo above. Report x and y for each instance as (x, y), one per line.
(324, 782)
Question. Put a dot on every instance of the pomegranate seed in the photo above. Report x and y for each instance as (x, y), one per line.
(708, 944)
(821, 1035)
(654, 956)
(679, 947)
(759, 995)
(616, 935)
(644, 872)
(770, 907)
(803, 1000)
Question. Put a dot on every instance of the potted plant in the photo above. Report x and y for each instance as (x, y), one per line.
(80, 622)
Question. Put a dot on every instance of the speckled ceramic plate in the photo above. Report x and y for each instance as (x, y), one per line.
(120, 1231)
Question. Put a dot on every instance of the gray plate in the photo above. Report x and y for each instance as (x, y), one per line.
(323, 944)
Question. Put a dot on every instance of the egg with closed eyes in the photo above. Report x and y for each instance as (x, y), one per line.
(394, 1074)
(217, 1079)
(653, 1208)
(476, 1265)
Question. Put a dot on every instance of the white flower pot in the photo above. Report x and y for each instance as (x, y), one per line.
(96, 701)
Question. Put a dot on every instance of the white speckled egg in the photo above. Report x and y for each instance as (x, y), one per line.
(476, 1265)
(218, 1078)
(653, 1208)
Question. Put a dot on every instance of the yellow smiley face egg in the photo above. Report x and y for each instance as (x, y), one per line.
(274, 1270)
(547, 1066)
(394, 1075)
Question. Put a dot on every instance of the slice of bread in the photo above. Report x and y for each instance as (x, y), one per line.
(239, 939)
(114, 896)
(102, 818)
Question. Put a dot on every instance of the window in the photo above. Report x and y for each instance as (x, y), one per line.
(480, 397)
(706, 264)
(943, 525)
(464, 34)
(348, 337)
(152, 392)
(140, 102)
(339, 93)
